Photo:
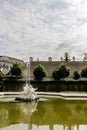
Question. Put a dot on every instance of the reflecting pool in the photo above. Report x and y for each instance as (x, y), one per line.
(46, 114)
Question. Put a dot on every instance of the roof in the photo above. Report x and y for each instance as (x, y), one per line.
(9, 59)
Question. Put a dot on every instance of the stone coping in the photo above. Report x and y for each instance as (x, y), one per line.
(62, 95)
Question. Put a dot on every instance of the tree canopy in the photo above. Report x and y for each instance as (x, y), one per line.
(76, 75)
(61, 72)
(39, 72)
(16, 69)
(66, 57)
(84, 71)
(1, 75)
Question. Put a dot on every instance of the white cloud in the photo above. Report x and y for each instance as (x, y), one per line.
(43, 28)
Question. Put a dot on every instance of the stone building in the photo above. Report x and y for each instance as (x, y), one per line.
(51, 65)
(6, 62)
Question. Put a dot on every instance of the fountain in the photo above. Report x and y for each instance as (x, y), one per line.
(29, 94)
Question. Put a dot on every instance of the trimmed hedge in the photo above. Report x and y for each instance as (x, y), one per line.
(46, 86)
(58, 86)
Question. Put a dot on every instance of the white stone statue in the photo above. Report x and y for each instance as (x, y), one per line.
(29, 92)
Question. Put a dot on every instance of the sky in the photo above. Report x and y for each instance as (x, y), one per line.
(43, 28)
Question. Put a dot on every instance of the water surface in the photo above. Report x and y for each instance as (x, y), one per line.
(48, 114)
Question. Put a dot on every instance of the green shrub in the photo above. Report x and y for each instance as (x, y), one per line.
(61, 72)
(39, 72)
(76, 75)
(84, 71)
(16, 69)
(1, 75)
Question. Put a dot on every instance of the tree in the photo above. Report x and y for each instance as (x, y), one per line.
(39, 72)
(66, 57)
(84, 71)
(1, 75)
(61, 72)
(73, 58)
(16, 69)
(76, 75)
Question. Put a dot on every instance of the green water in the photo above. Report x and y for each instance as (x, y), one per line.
(48, 114)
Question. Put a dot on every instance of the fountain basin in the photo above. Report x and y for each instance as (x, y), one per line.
(20, 99)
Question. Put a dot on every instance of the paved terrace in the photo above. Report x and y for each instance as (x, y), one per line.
(61, 95)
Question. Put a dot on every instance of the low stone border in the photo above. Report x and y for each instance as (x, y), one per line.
(67, 96)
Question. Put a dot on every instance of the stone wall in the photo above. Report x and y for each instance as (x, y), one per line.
(51, 65)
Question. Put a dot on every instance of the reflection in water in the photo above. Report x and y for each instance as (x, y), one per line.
(51, 114)
(16, 115)
(61, 115)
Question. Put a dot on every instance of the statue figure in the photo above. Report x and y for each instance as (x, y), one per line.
(28, 95)
(29, 92)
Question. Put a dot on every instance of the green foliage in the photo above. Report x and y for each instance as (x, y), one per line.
(16, 69)
(61, 72)
(67, 58)
(1, 76)
(39, 72)
(76, 75)
(84, 71)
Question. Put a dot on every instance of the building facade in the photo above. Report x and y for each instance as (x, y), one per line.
(6, 62)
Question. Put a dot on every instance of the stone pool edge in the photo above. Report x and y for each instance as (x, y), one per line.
(65, 95)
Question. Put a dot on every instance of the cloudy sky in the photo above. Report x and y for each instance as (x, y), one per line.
(43, 28)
